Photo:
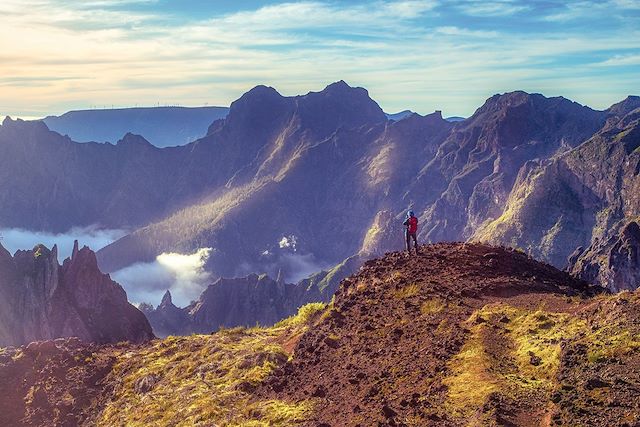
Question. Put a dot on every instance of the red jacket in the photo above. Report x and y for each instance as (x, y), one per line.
(412, 224)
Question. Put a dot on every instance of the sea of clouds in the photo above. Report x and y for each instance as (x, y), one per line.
(184, 275)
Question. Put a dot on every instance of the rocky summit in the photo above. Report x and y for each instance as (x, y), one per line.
(460, 334)
(41, 300)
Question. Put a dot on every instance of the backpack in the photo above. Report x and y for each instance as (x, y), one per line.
(413, 225)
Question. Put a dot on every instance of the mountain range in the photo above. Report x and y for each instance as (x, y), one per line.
(282, 182)
(162, 126)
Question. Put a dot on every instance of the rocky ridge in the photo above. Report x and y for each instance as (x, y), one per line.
(227, 303)
(42, 300)
(585, 198)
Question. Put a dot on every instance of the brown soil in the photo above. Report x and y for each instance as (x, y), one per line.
(598, 388)
(53, 383)
(380, 355)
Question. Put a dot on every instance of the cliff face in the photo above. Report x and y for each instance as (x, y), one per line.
(471, 176)
(614, 262)
(42, 300)
(309, 167)
(585, 198)
(254, 299)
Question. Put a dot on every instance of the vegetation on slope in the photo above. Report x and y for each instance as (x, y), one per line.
(461, 335)
(205, 379)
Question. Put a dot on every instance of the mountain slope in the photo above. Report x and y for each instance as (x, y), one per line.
(254, 299)
(162, 126)
(328, 193)
(462, 334)
(321, 183)
(42, 300)
(439, 339)
(473, 172)
(582, 198)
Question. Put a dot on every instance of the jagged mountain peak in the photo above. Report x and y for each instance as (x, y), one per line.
(338, 105)
(263, 90)
(43, 300)
(33, 126)
(260, 95)
(166, 300)
(434, 118)
(535, 101)
(74, 251)
(4, 253)
(258, 109)
(341, 90)
(339, 85)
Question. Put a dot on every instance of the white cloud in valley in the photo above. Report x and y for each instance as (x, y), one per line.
(183, 275)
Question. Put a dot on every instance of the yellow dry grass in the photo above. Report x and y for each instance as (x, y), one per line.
(205, 380)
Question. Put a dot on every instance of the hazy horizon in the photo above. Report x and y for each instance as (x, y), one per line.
(445, 114)
(422, 55)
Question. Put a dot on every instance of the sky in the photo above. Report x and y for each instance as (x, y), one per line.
(423, 55)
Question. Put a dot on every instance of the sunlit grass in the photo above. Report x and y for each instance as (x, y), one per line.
(208, 379)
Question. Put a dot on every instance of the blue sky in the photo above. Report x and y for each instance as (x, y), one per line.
(423, 55)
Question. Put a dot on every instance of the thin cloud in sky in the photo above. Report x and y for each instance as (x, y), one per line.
(492, 8)
(422, 55)
(621, 60)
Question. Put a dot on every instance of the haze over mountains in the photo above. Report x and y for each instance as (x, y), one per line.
(162, 126)
(289, 185)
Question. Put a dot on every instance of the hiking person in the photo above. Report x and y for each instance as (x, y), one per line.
(411, 229)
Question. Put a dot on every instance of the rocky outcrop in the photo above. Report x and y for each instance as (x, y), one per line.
(42, 300)
(167, 319)
(614, 263)
(471, 176)
(459, 335)
(244, 301)
(462, 334)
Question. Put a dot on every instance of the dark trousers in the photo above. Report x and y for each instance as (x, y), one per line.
(409, 237)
